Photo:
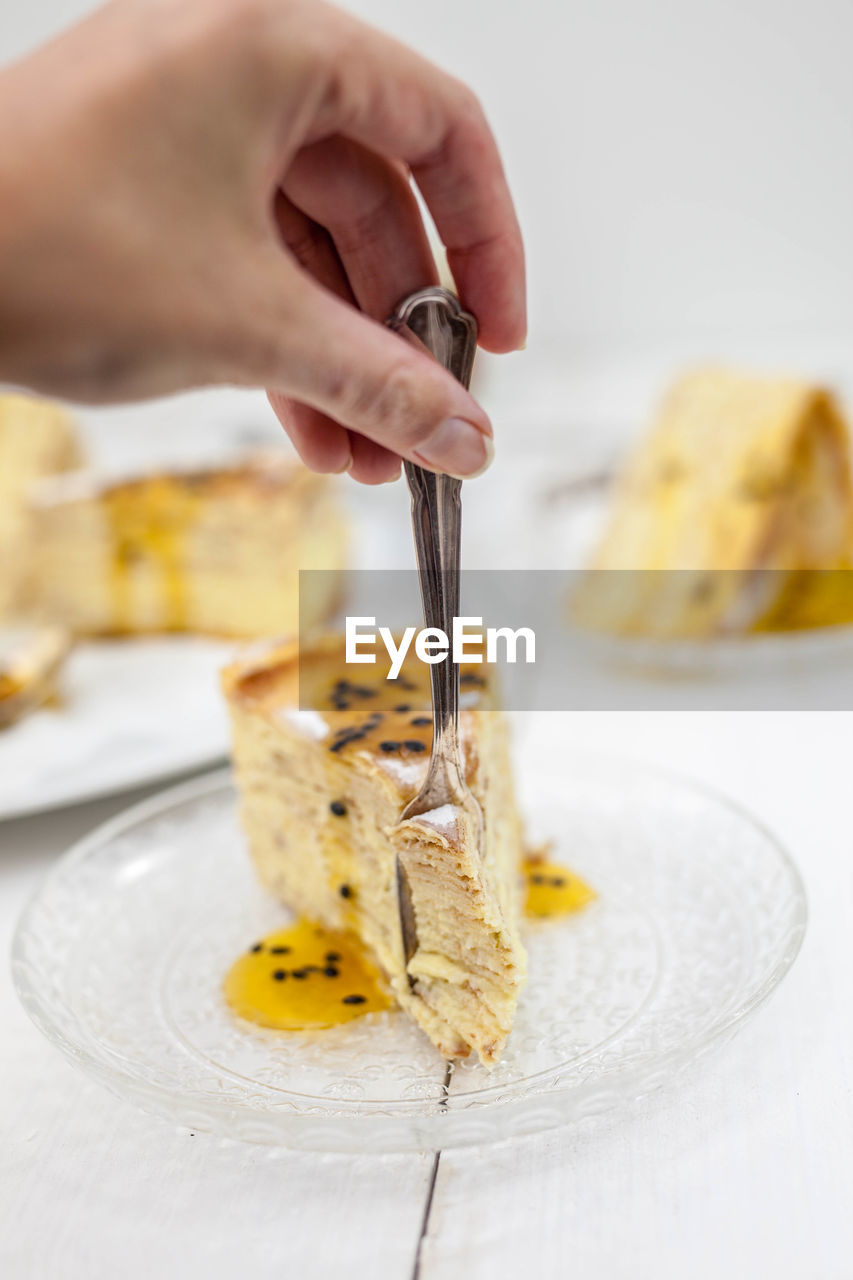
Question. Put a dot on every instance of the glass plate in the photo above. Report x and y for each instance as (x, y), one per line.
(119, 960)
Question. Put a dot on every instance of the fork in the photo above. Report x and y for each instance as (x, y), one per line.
(433, 319)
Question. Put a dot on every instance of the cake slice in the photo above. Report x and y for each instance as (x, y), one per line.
(322, 789)
(742, 483)
(37, 439)
(31, 659)
(216, 551)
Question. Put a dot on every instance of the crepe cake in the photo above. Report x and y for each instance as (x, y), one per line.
(37, 439)
(729, 514)
(31, 659)
(216, 550)
(323, 779)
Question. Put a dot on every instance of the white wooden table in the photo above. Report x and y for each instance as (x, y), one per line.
(745, 1168)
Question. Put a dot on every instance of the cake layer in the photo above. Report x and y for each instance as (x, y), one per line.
(215, 551)
(322, 790)
(30, 662)
(739, 476)
(37, 439)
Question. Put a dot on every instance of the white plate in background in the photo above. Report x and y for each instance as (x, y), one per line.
(130, 712)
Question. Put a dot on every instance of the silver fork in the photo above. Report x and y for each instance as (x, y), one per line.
(432, 318)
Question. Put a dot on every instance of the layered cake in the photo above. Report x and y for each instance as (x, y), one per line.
(37, 439)
(729, 515)
(325, 764)
(216, 551)
(31, 659)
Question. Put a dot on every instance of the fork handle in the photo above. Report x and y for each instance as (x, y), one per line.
(434, 319)
(436, 523)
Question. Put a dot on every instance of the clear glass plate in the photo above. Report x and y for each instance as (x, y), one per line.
(119, 960)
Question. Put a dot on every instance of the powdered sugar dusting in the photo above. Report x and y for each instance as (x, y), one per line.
(444, 818)
(407, 771)
(309, 723)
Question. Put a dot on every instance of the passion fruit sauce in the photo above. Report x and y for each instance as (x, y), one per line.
(303, 978)
(553, 890)
(306, 977)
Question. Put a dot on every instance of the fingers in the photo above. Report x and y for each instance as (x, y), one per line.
(371, 463)
(466, 191)
(377, 252)
(326, 447)
(323, 445)
(367, 205)
(360, 375)
(394, 102)
(311, 245)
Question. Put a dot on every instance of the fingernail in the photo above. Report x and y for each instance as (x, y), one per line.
(458, 448)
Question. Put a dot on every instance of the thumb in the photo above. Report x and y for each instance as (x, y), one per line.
(368, 379)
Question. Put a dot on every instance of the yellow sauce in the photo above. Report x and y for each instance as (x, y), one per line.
(812, 598)
(553, 890)
(304, 978)
(149, 525)
(9, 686)
(392, 716)
(307, 977)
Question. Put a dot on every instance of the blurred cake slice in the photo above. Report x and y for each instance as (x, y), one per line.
(37, 439)
(322, 790)
(30, 661)
(742, 484)
(216, 551)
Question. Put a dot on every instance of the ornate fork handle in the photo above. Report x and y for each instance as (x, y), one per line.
(433, 319)
(436, 522)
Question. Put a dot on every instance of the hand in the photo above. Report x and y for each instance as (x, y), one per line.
(219, 192)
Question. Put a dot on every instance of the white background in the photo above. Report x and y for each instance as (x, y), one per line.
(681, 166)
(684, 179)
